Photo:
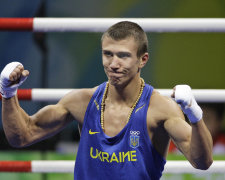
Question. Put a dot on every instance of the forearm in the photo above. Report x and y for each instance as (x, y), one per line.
(198, 148)
(20, 128)
(14, 121)
(23, 130)
(201, 146)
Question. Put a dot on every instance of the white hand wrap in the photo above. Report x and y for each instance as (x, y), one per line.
(7, 88)
(185, 98)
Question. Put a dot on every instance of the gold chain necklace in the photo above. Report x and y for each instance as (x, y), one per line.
(132, 108)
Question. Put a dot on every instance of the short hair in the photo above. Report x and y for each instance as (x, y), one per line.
(126, 29)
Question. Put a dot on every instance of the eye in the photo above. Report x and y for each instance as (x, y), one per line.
(108, 53)
(123, 55)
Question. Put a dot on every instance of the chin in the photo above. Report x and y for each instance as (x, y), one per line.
(114, 81)
(117, 82)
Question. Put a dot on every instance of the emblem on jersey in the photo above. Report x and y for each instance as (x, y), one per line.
(139, 108)
(91, 132)
(134, 139)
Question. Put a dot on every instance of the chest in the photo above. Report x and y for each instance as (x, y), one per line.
(115, 119)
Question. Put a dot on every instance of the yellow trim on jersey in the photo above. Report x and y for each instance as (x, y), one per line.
(97, 106)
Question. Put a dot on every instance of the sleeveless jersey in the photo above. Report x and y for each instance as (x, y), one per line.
(128, 155)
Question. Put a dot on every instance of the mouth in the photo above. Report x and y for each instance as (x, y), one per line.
(115, 74)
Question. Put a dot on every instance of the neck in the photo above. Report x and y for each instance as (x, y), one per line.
(126, 94)
(124, 97)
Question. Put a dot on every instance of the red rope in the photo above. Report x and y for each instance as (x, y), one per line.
(16, 24)
(15, 166)
(23, 94)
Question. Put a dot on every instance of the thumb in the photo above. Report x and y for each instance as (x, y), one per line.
(25, 73)
(24, 76)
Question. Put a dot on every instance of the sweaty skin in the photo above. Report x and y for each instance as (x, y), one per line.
(165, 119)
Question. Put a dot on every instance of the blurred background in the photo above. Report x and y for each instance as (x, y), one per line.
(73, 60)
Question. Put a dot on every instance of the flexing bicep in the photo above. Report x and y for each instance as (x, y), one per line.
(47, 122)
(180, 132)
(51, 119)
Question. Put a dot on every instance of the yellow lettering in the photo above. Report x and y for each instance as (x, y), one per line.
(126, 155)
(105, 157)
(99, 155)
(120, 156)
(133, 156)
(114, 158)
(91, 153)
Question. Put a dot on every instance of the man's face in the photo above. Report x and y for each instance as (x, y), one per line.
(120, 60)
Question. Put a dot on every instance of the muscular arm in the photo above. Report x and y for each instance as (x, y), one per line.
(194, 140)
(166, 120)
(22, 129)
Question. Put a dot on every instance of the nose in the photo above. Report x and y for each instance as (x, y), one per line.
(115, 64)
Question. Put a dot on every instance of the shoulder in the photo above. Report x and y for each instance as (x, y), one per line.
(163, 107)
(78, 94)
(76, 102)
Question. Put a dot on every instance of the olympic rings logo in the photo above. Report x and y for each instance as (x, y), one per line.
(135, 133)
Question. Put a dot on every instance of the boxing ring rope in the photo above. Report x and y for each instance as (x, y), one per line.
(60, 166)
(101, 24)
(201, 95)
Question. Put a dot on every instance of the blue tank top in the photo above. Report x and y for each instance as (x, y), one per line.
(128, 155)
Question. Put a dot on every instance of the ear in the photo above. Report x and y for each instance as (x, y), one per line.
(143, 60)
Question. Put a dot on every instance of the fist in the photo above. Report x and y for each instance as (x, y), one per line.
(182, 94)
(12, 76)
(18, 73)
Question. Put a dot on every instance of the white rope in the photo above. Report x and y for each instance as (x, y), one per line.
(49, 94)
(148, 24)
(175, 167)
(201, 95)
(178, 167)
(52, 166)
